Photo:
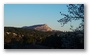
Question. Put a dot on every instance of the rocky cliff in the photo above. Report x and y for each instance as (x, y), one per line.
(40, 27)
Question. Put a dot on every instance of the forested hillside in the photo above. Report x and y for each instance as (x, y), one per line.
(20, 38)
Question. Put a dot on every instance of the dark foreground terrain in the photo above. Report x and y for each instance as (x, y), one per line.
(19, 38)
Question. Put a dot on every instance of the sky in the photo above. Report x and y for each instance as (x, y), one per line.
(19, 15)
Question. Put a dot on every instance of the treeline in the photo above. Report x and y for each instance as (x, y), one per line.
(19, 38)
(66, 40)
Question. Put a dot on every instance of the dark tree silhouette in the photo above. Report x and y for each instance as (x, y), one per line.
(76, 12)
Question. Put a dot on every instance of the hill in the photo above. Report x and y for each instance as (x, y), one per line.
(22, 38)
(40, 27)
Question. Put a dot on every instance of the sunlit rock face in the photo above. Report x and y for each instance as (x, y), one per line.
(40, 27)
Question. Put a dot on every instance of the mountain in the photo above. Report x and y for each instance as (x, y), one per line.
(40, 27)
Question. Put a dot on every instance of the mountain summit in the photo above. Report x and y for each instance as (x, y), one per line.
(40, 27)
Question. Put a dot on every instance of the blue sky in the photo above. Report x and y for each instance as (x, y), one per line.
(18, 15)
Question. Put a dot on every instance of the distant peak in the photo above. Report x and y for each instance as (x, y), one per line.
(40, 27)
(45, 24)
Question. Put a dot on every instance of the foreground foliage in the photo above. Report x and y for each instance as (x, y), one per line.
(19, 38)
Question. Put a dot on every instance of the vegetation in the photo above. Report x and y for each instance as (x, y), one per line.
(75, 12)
(20, 38)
